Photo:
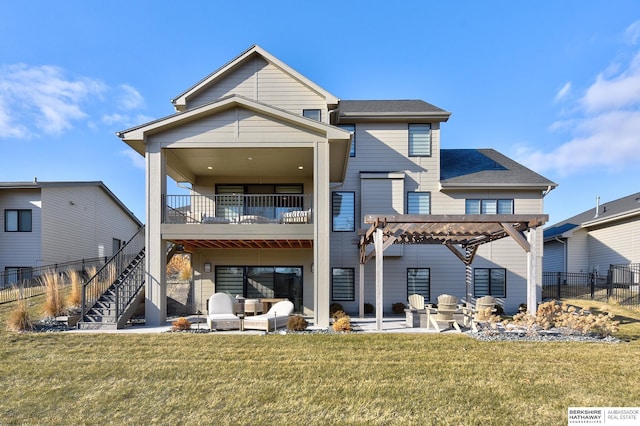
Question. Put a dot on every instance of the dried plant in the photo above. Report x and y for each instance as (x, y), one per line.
(75, 295)
(342, 324)
(180, 266)
(297, 323)
(181, 324)
(338, 314)
(54, 303)
(19, 319)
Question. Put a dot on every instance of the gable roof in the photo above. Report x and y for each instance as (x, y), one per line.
(621, 208)
(486, 168)
(70, 184)
(359, 110)
(180, 101)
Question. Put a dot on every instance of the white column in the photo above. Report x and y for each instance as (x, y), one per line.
(156, 256)
(534, 293)
(321, 234)
(361, 291)
(379, 277)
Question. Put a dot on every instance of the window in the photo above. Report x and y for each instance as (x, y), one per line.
(488, 207)
(17, 220)
(418, 203)
(419, 140)
(419, 282)
(343, 211)
(313, 114)
(343, 284)
(490, 282)
(351, 128)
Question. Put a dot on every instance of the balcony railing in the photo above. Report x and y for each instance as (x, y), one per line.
(238, 208)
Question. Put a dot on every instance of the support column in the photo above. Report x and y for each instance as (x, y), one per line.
(361, 291)
(532, 272)
(321, 234)
(155, 247)
(379, 277)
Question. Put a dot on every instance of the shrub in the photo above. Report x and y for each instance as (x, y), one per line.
(368, 308)
(342, 324)
(181, 324)
(335, 307)
(75, 296)
(180, 267)
(338, 314)
(19, 319)
(297, 323)
(398, 308)
(54, 304)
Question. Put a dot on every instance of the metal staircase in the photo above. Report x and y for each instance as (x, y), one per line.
(114, 293)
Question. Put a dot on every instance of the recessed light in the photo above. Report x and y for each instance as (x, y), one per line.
(300, 167)
(209, 167)
(249, 158)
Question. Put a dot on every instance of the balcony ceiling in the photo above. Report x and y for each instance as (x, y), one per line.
(185, 164)
(192, 245)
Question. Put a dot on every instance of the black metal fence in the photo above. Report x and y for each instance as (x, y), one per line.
(30, 277)
(620, 285)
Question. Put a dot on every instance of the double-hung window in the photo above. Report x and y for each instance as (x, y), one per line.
(343, 284)
(352, 129)
(343, 211)
(418, 203)
(17, 220)
(419, 282)
(419, 140)
(488, 206)
(490, 282)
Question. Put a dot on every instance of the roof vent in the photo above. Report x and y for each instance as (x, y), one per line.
(597, 206)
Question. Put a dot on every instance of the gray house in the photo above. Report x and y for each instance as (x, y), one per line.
(594, 239)
(44, 223)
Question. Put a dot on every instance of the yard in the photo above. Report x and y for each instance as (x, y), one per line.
(174, 378)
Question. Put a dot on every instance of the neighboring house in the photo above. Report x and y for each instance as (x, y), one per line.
(594, 239)
(44, 223)
(282, 174)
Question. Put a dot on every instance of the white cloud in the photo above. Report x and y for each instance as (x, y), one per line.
(603, 129)
(42, 99)
(136, 159)
(129, 98)
(563, 92)
(632, 33)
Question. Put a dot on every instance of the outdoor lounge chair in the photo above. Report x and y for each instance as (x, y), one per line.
(220, 313)
(480, 312)
(274, 318)
(416, 301)
(444, 313)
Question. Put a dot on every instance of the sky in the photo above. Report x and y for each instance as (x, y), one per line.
(552, 84)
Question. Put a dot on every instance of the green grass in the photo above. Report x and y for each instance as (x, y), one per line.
(174, 378)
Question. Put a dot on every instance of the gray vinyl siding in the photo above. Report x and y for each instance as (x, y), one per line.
(233, 125)
(21, 248)
(81, 222)
(613, 244)
(263, 82)
(554, 257)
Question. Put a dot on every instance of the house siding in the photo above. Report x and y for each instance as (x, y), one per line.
(554, 256)
(81, 222)
(21, 249)
(613, 244)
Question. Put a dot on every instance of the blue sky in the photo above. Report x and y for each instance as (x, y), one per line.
(552, 84)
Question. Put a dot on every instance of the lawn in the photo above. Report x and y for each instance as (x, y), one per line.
(174, 378)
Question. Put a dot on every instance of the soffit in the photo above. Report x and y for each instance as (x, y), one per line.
(193, 245)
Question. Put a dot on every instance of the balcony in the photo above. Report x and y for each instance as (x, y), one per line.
(238, 209)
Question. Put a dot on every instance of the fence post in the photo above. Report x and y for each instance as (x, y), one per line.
(609, 283)
(592, 285)
(559, 282)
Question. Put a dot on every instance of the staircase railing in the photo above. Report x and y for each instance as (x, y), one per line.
(107, 275)
(129, 283)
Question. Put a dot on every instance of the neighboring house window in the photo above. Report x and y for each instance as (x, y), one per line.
(351, 128)
(490, 282)
(419, 140)
(313, 114)
(343, 211)
(419, 282)
(488, 207)
(17, 220)
(343, 284)
(418, 203)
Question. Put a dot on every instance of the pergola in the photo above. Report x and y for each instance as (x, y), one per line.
(462, 234)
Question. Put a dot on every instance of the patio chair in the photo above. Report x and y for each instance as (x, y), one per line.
(276, 317)
(444, 313)
(220, 314)
(480, 312)
(416, 301)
